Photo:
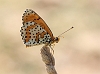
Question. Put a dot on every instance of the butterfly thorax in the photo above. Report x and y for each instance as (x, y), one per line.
(55, 40)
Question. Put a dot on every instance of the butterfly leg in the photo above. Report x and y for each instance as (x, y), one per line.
(51, 48)
(53, 45)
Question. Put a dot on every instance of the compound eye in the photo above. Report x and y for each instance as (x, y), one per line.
(57, 39)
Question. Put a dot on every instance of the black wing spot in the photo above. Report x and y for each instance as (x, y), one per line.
(38, 18)
(34, 19)
(22, 33)
(33, 42)
(40, 28)
(28, 14)
(22, 38)
(29, 36)
(46, 36)
(32, 11)
(27, 23)
(33, 36)
(30, 22)
(21, 29)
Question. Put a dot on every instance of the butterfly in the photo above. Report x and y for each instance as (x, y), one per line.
(35, 31)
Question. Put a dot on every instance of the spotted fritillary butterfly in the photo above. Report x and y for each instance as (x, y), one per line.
(35, 31)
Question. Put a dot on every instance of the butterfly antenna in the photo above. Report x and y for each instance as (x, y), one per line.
(65, 31)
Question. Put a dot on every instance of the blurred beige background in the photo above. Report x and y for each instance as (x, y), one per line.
(77, 53)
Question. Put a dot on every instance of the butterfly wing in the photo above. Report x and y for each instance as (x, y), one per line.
(34, 30)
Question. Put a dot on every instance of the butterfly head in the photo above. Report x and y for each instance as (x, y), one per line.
(56, 40)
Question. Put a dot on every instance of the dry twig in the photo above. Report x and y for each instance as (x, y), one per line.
(48, 59)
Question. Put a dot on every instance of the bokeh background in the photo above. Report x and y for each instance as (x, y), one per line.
(77, 53)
